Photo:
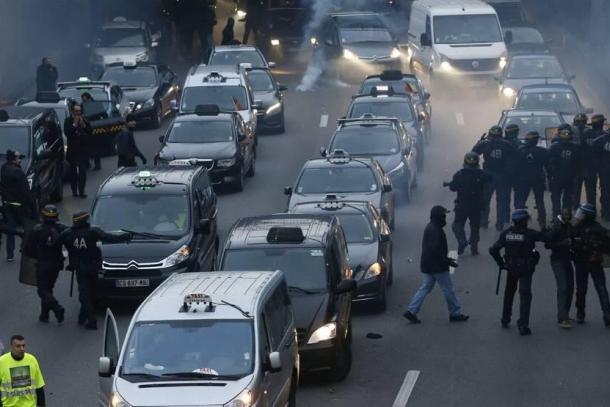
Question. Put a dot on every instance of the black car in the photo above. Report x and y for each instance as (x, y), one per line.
(311, 251)
(284, 30)
(150, 89)
(269, 92)
(219, 141)
(171, 212)
(35, 132)
(559, 98)
(369, 243)
(524, 40)
(510, 12)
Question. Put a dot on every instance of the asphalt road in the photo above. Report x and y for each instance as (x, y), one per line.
(469, 364)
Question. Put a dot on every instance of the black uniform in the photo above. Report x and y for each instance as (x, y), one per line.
(590, 168)
(254, 16)
(558, 240)
(601, 149)
(46, 78)
(579, 139)
(79, 138)
(81, 241)
(520, 259)
(127, 150)
(513, 180)
(18, 202)
(44, 246)
(205, 27)
(590, 241)
(564, 165)
(530, 175)
(498, 155)
(469, 183)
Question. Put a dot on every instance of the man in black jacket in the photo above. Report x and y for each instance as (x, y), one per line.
(126, 147)
(520, 260)
(530, 173)
(590, 170)
(18, 202)
(81, 241)
(43, 246)
(601, 150)
(469, 183)
(46, 76)
(560, 242)
(435, 266)
(79, 136)
(564, 166)
(579, 127)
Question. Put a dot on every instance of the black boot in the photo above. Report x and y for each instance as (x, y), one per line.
(44, 316)
(462, 247)
(474, 249)
(59, 312)
(580, 316)
(524, 331)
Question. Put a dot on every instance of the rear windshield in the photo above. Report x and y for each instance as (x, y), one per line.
(238, 57)
(364, 140)
(201, 132)
(400, 110)
(337, 179)
(356, 227)
(141, 77)
(228, 98)
(121, 37)
(563, 102)
(538, 67)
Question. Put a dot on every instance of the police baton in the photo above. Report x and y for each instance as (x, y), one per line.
(498, 282)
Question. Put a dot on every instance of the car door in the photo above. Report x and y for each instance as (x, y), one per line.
(340, 270)
(245, 144)
(418, 27)
(264, 348)
(167, 88)
(111, 349)
(43, 168)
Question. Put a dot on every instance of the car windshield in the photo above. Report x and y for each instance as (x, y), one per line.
(16, 138)
(563, 102)
(356, 227)
(526, 35)
(141, 77)
(406, 85)
(238, 57)
(75, 93)
(365, 140)
(537, 123)
(228, 98)
(466, 29)
(303, 267)
(198, 346)
(100, 110)
(261, 81)
(150, 213)
(289, 21)
(201, 132)
(535, 67)
(337, 179)
(400, 110)
(353, 36)
(121, 37)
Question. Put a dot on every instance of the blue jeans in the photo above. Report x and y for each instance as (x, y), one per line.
(444, 282)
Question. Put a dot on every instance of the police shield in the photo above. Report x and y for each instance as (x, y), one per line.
(27, 269)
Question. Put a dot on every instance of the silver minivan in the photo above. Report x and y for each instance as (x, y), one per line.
(205, 339)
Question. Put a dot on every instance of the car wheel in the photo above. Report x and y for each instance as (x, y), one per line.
(158, 119)
(238, 184)
(58, 193)
(282, 128)
(382, 301)
(343, 362)
(292, 396)
(252, 169)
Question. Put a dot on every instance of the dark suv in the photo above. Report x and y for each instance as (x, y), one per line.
(171, 212)
(311, 251)
(36, 133)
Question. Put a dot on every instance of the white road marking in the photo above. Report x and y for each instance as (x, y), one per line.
(454, 255)
(459, 118)
(402, 398)
(324, 120)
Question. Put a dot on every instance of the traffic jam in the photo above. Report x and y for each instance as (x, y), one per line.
(207, 167)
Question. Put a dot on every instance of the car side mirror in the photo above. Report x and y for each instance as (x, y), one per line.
(288, 191)
(204, 226)
(154, 44)
(421, 116)
(105, 367)
(275, 362)
(271, 64)
(173, 105)
(257, 104)
(508, 37)
(387, 188)
(385, 238)
(161, 139)
(323, 152)
(346, 286)
(425, 40)
(427, 95)
(156, 36)
(282, 88)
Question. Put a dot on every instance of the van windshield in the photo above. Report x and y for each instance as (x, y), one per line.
(207, 347)
(467, 29)
(304, 267)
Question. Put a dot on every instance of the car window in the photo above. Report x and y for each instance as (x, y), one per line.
(261, 81)
(563, 102)
(278, 315)
(201, 132)
(228, 98)
(75, 93)
(121, 37)
(16, 138)
(543, 67)
(238, 57)
(337, 179)
(141, 77)
(466, 29)
(366, 140)
(356, 227)
(399, 109)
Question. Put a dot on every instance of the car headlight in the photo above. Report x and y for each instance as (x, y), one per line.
(244, 399)
(241, 14)
(275, 42)
(374, 270)
(149, 103)
(117, 401)
(323, 333)
(30, 179)
(446, 66)
(313, 41)
(142, 57)
(395, 53)
(180, 255)
(397, 169)
(502, 62)
(508, 92)
(229, 162)
(273, 108)
(347, 54)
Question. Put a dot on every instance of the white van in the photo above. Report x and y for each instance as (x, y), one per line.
(205, 339)
(455, 37)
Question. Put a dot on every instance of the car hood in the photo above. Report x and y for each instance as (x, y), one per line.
(184, 393)
(309, 309)
(119, 54)
(516, 84)
(268, 98)
(216, 151)
(371, 50)
(139, 94)
(361, 256)
(141, 250)
(472, 51)
(373, 197)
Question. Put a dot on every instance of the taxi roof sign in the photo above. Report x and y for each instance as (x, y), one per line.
(145, 180)
(196, 299)
(130, 63)
(83, 79)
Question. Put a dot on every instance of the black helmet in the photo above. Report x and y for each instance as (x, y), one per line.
(495, 131)
(532, 135)
(598, 120)
(80, 218)
(565, 132)
(471, 159)
(49, 213)
(580, 118)
(511, 131)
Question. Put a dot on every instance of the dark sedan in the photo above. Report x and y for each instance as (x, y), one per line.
(284, 31)
(150, 89)
(559, 98)
(269, 92)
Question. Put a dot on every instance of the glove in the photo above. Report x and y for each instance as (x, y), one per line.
(452, 262)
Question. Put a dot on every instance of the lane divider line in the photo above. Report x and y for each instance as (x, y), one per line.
(324, 120)
(459, 118)
(408, 384)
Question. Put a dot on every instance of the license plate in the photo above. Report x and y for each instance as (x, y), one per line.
(140, 282)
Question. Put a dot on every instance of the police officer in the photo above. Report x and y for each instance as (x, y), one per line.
(564, 164)
(601, 150)
(469, 183)
(498, 155)
(44, 246)
(590, 170)
(46, 76)
(530, 174)
(590, 242)
(511, 135)
(81, 241)
(18, 202)
(579, 127)
(520, 260)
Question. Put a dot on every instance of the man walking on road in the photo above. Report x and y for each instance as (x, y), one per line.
(435, 266)
(79, 137)
(46, 76)
(21, 381)
(564, 166)
(126, 147)
(530, 172)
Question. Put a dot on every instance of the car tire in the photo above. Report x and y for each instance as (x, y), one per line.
(292, 395)
(238, 185)
(158, 117)
(343, 362)
(57, 195)
(252, 169)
